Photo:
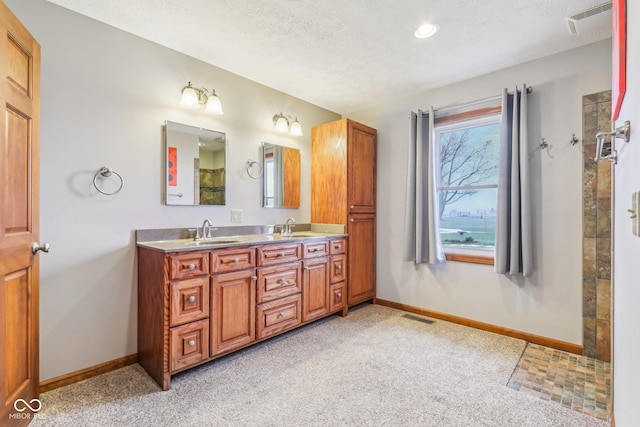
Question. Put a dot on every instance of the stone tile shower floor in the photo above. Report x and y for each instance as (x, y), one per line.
(576, 382)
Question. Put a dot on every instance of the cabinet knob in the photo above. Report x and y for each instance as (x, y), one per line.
(306, 268)
(339, 294)
(338, 267)
(191, 299)
(254, 278)
(191, 266)
(352, 220)
(336, 247)
(351, 207)
(281, 315)
(281, 281)
(236, 260)
(192, 343)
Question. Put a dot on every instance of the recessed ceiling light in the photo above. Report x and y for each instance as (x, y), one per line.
(426, 30)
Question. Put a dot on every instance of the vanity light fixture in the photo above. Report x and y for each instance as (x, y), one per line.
(287, 124)
(193, 97)
(426, 31)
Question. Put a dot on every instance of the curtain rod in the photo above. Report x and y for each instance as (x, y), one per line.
(479, 101)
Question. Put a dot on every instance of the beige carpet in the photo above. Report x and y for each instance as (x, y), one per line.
(372, 368)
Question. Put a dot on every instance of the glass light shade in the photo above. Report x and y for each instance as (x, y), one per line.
(296, 129)
(214, 106)
(426, 31)
(189, 97)
(281, 124)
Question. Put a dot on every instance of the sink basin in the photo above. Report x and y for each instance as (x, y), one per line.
(209, 242)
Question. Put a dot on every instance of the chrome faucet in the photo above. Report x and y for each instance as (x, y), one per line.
(286, 228)
(206, 231)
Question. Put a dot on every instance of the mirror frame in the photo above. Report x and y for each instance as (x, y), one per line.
(199, 132)
(289, 177)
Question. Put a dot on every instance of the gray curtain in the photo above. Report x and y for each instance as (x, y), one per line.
(514, 245)
(422, 237)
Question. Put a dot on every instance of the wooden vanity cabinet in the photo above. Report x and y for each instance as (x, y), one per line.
(343, 191)
(197, 305)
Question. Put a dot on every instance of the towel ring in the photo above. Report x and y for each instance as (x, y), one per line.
(250, 165)
(106, 172)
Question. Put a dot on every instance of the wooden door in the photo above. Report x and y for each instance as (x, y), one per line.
(361, 159)
(233, 311)
(362, 258)
(19, 220)
(315, 289)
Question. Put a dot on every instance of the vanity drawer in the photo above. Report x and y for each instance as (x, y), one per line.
(277, 316)
(278, 281)
(315, 249)
(338, 268)
(189, 300)
(189, 264)
(233, 259)
(277, 254)
(338, 246)
(189, 344)
(337, 295)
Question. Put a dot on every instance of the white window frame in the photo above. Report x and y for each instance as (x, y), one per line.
(475, 255)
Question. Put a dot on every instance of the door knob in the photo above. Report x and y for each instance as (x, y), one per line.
(45, 247)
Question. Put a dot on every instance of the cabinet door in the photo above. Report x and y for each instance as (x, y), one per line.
(362, 258)
(315, 289)
(233, 305)
(361, 170)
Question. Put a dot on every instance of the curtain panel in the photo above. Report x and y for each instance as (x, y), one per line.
(422, 235)
(514, 240)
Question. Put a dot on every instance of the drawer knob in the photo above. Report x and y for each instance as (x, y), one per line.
(254, 278)
(339, 294)
(315, 249)
(281, 254)
(306, 268)
(281, 315)
(236, 260)
(192, 343)
(191, 267)
(351, 207)
(338, 267)
(336, 247)
(281, 281)
(353, 220)
(191, 299)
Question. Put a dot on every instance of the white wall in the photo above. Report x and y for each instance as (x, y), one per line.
(105, 96)
(626, 281)
(550, 302)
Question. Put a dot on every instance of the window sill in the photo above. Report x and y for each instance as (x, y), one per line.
(470, 258)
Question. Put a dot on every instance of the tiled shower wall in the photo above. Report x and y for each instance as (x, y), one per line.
(596, 231)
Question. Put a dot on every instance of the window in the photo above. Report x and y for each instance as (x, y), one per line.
(468, 150)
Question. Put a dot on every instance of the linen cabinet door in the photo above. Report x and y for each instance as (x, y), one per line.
(361, 170)
(361, 274)
(233, 308)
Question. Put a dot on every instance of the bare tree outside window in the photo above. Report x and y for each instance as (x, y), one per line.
(468, 173)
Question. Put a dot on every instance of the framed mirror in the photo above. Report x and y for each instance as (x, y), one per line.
(195, 165)
(280, 176)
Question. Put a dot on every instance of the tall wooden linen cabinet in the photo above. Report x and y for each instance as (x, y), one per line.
(343, 191)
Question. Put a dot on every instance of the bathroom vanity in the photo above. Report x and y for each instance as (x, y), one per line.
(198, 300)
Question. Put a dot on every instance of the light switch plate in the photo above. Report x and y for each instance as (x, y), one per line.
(236, 215)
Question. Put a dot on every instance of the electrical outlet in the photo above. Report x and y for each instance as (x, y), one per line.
(236, 215)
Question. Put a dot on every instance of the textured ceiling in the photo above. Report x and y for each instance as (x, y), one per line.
(345, 55)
